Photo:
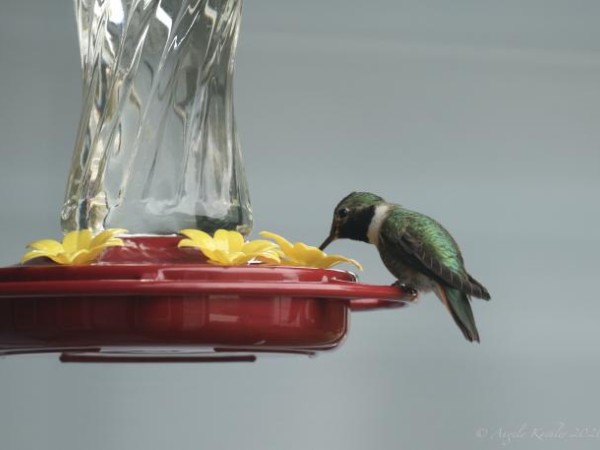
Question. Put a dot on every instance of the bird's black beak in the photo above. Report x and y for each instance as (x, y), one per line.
(332, 237)
(327, 241)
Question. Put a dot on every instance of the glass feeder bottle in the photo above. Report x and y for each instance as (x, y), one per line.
(157, 149)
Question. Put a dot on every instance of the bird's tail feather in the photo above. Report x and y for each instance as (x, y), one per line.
(459, 306)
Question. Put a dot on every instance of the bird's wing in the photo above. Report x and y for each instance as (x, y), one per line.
(430, 261)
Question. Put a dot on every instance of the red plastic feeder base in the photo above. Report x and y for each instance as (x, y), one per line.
(152, 302)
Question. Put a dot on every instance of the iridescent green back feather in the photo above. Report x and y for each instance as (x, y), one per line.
(427, 246)
(434, 238)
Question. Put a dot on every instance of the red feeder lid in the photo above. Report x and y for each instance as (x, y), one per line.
(132, 308)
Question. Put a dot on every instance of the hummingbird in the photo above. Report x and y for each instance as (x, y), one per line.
(415, 248)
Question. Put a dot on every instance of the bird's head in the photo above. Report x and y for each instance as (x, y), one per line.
(352, 217)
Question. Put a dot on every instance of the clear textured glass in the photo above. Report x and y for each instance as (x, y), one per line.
(157, 149)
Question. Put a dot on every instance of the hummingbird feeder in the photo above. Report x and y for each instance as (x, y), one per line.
(157, 160)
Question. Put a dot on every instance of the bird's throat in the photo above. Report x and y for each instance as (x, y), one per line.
(379, 216)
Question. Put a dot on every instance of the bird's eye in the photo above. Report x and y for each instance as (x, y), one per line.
(342, 213)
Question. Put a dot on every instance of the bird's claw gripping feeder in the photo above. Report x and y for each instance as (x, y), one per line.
(154, 265)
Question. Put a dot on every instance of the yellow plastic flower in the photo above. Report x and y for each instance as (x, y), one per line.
(228, 247)
(300, 254)
(77, 247)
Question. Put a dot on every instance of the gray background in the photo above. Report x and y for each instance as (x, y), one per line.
(483, 114)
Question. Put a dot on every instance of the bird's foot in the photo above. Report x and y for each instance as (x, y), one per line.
(409, 290)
